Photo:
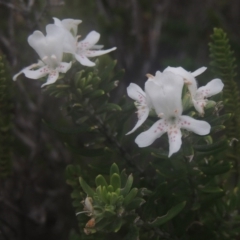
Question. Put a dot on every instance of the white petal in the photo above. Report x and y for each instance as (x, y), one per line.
(36, 74)
(199, 105)
(84, 60)
(93, 53)
(148, 137)
(165, 93)
(213, 87)
(193, 125)
(64, 67)
(69, 42)
(187, 76)
(38, 42)
(175, 140)
(57, 22)
(199, 71)
(52, 78)
(71, 24)
(90, 40)
(27, 68)
(55, 40)
(136, 93)
(141, 120)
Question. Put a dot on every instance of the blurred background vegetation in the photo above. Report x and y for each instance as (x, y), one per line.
(149, 35)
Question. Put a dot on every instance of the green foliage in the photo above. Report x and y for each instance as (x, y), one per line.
(170, 214)
(5, 119)
(109, 206)
(88, 104)
(224, 66)
(181, 189)
(169, 195)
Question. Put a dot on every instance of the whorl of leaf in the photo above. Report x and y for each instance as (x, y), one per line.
(224, 66)
(5, 119)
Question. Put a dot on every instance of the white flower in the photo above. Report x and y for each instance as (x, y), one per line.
(84, 49)
(68, 24)
(142, 103)
(50, 50)
(198, 95)
(87, 48)
(70, 27)
(165, 92)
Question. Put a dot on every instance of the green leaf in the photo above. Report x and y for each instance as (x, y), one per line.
(100, 181)
(115, 181)
(109, 107)
(221, 119)
(124, 191)
(110, 188)
(104, 194)
(205, 148)
(123, 177)
(174, 211)
(144, 192)
(117, 224)
(104, 75)
(96, 94)
(210, 188)
(109, 86)
(78, 78)
(216, 169)
(114, 169)
(135, 203)
(217, 128)
(131, 195)
(113, 199)
(86, 188)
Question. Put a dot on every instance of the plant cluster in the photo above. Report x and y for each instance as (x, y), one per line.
(177, 194)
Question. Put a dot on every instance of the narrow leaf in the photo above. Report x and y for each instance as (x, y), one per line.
(86, 188)
(115, 181)
(114, 169)
(174, 211)
(100, 181)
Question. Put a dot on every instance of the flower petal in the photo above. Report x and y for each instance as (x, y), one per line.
(69, 42)
(199, 105)
(64, 67)
(38, 42)
(36, 74)
(165, 93)
(39, 64)
(52, 77)
(213, 87)
(71, 24)
(93, 53)
(55, 40)
(175, 141)
(187, 77)
(141, 119)
(199, 71)
(136, 93)
(148, 137)
(193, 125)
(84, 60)
(90, 40)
